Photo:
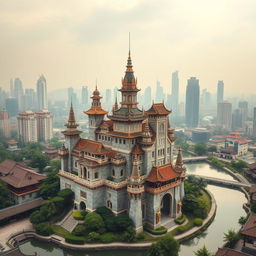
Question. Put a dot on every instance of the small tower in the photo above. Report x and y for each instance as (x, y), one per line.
(95, 114)
(135, 188)
(63, 154)
(72, 135)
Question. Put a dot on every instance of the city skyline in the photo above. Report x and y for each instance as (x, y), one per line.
(69, 37)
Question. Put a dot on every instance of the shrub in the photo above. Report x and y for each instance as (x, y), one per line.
(198, 222)
(44, 229)
(93, 237)
(48, 210)
(74, 239)
(79, 230)
(59, 202)
(78, 215)
(36, 217)
(107, 238)
(140, 236)
(84, 213)
(67, 194)
(123, 222)
(180, 220)
(129, 235)
(158, 231)
(94, 222)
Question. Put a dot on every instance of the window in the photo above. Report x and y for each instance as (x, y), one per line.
(153, 153)
(109, 204)
(113, 172)
(76, 164)
(82, 194)
(96, 175)
(122, 173)
(123, 141)
(67, 185)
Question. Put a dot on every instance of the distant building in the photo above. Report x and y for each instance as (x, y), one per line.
(220, 91)
(42, 93)
(251, 171)
(23, 181)
(254, 122)
(230, 252)
(147, 97)
(192, 102)
(175, 93)
(200, 135)
(11, 105)
(5, 126)
(243, 106)
(30, 99)
(159, 92)
(51, 152)
(237, 119)
(44, 125)
(85, 97)
(27, 127)
(13, 146)
(224, 115)
(18, 93)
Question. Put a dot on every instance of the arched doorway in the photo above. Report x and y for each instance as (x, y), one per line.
(166, 205)
(82, 206)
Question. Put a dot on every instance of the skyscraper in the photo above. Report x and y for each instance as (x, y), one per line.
(5, 126)
(42, 93)
(27, 127)
(159, 92)
(224, 115)
(18, 92)
(236, 119)
(254, 122)
(220, 91)
(147, 97)
(11, 105)
(85, 97)
(175, 93)
(29, 99)
(192, 102)
(243, 106)
(44, 125)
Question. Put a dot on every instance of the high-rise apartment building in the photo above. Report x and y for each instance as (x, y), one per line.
(5, 126)
(85, 97)
(147, 101)
(243, 106)
(44, 125)
(18, 92)
(254, 122)
(29, 99)
(224, 115)
(220, 91)
(159, 92)
(237, 119)
(41, 91)
(27, 127)
(175, 93)
(192, 102)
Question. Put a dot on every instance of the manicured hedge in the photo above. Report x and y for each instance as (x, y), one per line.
(44, 229)
(158, 231)
(74, 239)
(107, 238)
(79, 215)
(180, 220)
(198, 222)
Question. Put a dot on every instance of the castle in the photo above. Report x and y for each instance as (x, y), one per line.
(127, 162)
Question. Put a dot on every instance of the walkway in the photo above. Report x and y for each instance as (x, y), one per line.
(194, 159)
(69, 223)
(218, 181)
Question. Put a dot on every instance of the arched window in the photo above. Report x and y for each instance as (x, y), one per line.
(84, 175)
(109, 204)
(96, 175)
(122, 173)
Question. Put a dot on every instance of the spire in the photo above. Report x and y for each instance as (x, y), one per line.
(135, 169)
(71, 124)
(179, 160)
(115, 108)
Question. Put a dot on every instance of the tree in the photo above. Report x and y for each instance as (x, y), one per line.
(50, 186)
(39, 160)
(94, 222)
(4, 196)
(231, 238)
(242, 220)
(4, 154)
(55, 142)
(67, 194)
(212, 149)
(54, 165)
(200, 149)
(203, 252)
(166, 246)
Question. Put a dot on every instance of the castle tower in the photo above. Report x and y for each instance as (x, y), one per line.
(135, 188)
(95, 114)
(72, 135)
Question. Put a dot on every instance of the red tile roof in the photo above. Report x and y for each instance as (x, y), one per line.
(95, 111)
(229, 252)
(253, 189)
(90, 146)
(249, 228)
(19, 175)
(137, 150)
(161, 174)
(158, 109)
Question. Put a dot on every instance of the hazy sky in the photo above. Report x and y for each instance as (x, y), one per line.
(73, 43)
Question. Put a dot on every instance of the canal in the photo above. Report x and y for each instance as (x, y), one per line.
(229, 210)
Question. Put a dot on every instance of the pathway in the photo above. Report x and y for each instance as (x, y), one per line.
(69, 223)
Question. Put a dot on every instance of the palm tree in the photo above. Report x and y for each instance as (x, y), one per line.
(203, 252)
(231, 238)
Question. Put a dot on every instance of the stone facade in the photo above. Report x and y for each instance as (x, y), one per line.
(126, 164)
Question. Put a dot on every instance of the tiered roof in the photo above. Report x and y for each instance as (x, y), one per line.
(249, 229)
(158, 109)
(162, 174)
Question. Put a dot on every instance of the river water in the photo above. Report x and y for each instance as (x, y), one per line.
(229, 210)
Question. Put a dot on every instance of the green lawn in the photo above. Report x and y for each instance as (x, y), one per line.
(60, 231)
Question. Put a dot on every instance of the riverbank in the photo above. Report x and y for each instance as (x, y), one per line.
(18, 237)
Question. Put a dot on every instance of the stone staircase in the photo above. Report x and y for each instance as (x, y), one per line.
(69, 223)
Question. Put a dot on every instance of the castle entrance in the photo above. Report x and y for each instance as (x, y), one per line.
(82, 206)
(166, 205)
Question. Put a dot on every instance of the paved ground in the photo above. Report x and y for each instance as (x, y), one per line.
(11, 228)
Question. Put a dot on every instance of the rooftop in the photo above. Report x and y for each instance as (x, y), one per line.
(249, 229)
(158, 109)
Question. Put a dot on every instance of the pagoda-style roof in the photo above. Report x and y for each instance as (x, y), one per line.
(18, 175)
(91, 146)
(137, 150)
(96, 111)
(249, 228)
(158, 109)
(127, 114)
(162, 174)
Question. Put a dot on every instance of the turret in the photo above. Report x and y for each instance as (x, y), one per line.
(135, 188)
(95, 114)
(71, 134)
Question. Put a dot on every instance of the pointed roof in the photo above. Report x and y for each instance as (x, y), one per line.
(137, 150)
(158, 109)
(162, 174)
(179, 160)
(135, 170)
(71, 124)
